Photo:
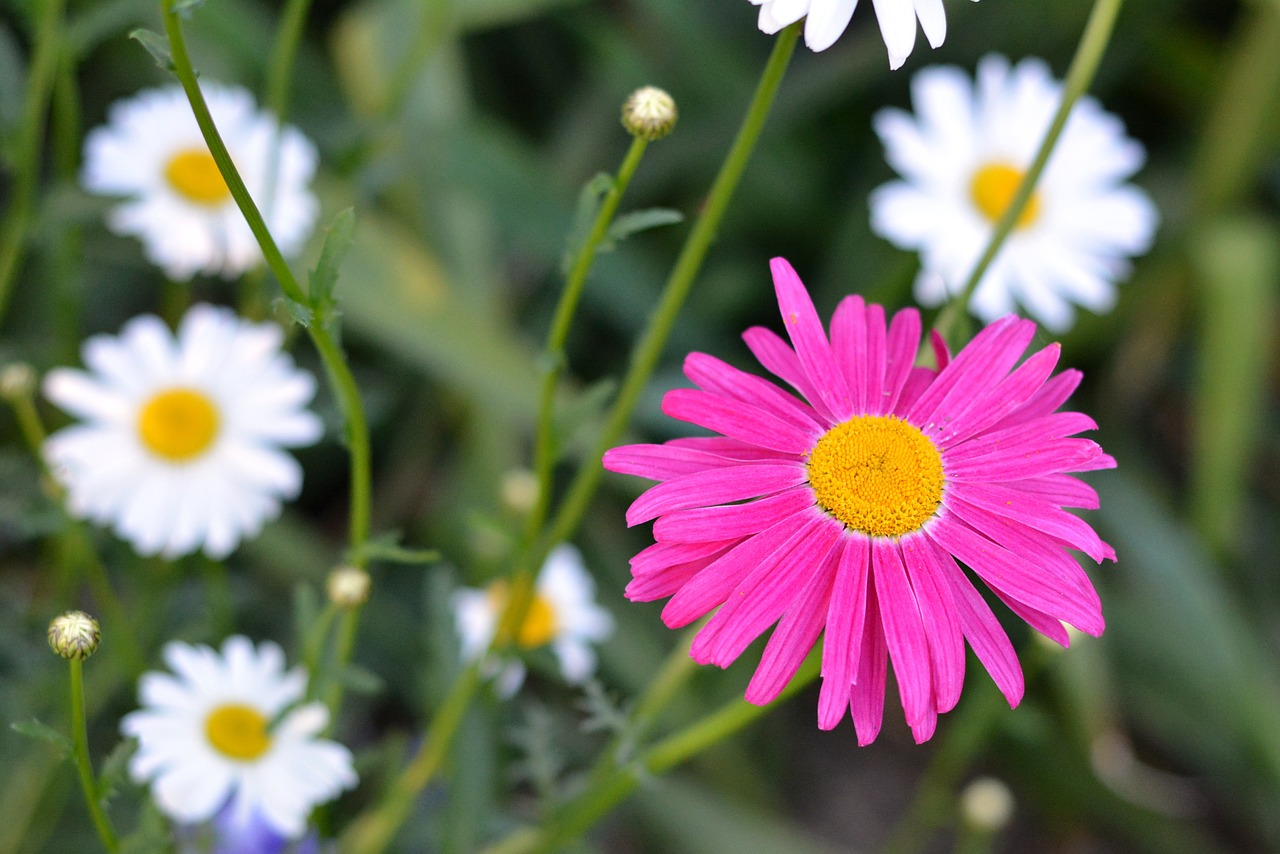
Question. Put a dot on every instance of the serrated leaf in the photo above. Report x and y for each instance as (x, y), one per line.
(35, 729)
(156, 45)
(298, 313)
(324, 278)
(590, 197)
(637, 221)
(358, 680)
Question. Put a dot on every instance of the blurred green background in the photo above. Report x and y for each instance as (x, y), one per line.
(1163, 735)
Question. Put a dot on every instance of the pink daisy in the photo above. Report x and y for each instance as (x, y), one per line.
(846, 513)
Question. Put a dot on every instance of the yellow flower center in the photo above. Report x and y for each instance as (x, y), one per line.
(540, 623)
(992, 190)
(877, 474)
(194, 174)
(238, 731)
(178, 424)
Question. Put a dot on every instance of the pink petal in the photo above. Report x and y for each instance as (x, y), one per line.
(903, 629)
(1034, 512)
(1012, 392)
(738, 420)
(780, 360)
(714, 584)
(663, 462)
(983, 630)
(1061, 489)
(662, 581)
(846, 615)
(850, 348)
(900, 356)
(1038, 620)
(977, 369)
(730, 449)
(714, 486)
(761, 598)
(810, 339)
(731, 520)
(867, 697)
(1052, 457)
(941, 625)
(795, 635)
(923, 729)
(660, 555)
(1051, 395)
(713, 375)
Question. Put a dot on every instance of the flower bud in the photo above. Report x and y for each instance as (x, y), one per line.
(348, 586)
(74, 635)
(17, 380)
(649, 113)
(986, 804)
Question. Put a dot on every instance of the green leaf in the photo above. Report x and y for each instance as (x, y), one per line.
(590, 197)
(637, 221)
(386, 547)
(115, 770)
(186, 7)
(35, 729)
(324, 278)
(156, 45)
(358, 680)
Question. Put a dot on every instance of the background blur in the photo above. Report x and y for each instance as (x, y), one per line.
(1163, 735)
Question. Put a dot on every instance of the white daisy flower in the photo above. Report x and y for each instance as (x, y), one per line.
(825, 21)
(563, 614)
(225, 731)
(962, 156)
(179, 444)
(177, 204)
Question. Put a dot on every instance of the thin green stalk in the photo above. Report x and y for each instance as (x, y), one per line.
(578, 814)
(340, 376)
(45, 58)
(373, 831)
(434, 25)
(84, 765)
(283, 55)
(347, 628)
(649, 347)
(1084, 65)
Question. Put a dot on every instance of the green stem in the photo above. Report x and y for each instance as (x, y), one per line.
(44, 66)
(373, 831)
(283, 54)
(435, 20)
(648, 349)
(350, 622)
(1084, 65)
(340, 376)
(88, 783)
(578, 814)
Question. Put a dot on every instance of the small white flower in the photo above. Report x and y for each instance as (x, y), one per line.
(180, 441)
(962, 156)
(225, 731)
(563, 614)
(825, 21)
(152, 153)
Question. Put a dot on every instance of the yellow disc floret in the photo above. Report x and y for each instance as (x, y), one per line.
(238, 731)
(540, 624)
(178, 424)
(877, 474)
(193, 173)
(992, 190)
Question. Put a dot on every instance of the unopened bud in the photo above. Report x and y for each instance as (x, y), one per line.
(17, 380)
(649, 113)
(986, 804)
(74, 635)
(348, 586)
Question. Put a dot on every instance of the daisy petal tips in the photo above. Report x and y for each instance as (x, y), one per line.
(866, 511)
(962, 156)
(179, 442)
(826, 20)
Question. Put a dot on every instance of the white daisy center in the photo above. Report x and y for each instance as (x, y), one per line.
(178, 424)
(193, 173)
(238, 731)
(540, 622)
(877, 474)
(992, 189)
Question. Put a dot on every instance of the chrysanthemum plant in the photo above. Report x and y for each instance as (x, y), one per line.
(869, 508)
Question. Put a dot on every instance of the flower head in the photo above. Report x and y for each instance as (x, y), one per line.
(180, 443)
(962, 157)
(152, 153)
(845, 513)
(224, 732)
(825, 21)
(563, 615)
(649, 113)
(74, 635)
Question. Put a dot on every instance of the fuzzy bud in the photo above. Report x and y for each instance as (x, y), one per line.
(649, 113)
(74, 635)
(348, 586)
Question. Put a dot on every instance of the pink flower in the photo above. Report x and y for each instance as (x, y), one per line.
(846, 513)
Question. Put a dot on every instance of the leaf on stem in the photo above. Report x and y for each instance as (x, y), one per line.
(358, 680)
(637, 221)
(324, 278)
(115, 771)
(590, 198)
(156, 45)
(35, 729)
(386, 547)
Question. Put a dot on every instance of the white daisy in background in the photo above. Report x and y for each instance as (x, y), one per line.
(563, 615)
(962, 156)
(151, 152)
(225, 732)
(825, 21)
(180, 443)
